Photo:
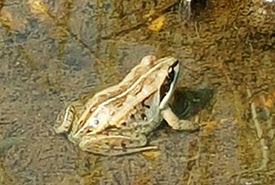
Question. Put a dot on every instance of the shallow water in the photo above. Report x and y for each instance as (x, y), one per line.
(53, 51)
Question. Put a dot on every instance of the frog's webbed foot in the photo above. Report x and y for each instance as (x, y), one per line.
(177, 123)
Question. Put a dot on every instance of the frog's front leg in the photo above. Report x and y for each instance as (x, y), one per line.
(114, 145)
(176, 123)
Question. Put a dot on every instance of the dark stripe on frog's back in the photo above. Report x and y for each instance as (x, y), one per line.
(135, 74)
(128, 82)
(118, 102)
(102, 95)
(109, 93)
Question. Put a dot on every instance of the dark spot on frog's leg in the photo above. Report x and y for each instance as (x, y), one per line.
(123, 147)
(132, 116)
(106, 143)
(143, 116)
(106, 133)
(123, 123)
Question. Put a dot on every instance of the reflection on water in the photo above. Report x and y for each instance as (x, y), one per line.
(53, 51)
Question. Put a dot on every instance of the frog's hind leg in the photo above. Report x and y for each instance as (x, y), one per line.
(114, 145)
